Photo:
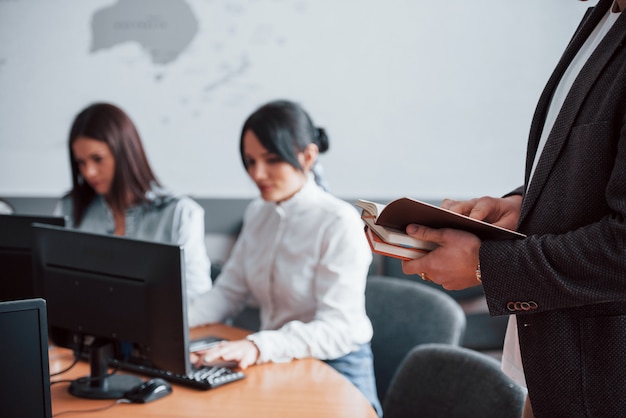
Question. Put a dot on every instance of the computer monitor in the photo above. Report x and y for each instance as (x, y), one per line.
(16, 243)
(122, 299)
(24, 366)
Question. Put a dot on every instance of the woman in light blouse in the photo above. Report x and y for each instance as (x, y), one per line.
(301, 255)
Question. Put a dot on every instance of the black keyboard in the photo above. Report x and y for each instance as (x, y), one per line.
(204, 378)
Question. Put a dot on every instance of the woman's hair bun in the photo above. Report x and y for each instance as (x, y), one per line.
(321, 140)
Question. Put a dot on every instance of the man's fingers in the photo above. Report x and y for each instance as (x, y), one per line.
(464, 207)
(424, 233)
(448, 203)
(480, 212)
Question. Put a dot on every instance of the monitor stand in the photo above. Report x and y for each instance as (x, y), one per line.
(100, 384)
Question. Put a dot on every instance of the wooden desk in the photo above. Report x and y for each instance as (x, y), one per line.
(301, 388)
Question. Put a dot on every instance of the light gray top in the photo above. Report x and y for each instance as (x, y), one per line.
(162, 218)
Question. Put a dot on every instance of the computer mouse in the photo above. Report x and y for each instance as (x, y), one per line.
(149, 391)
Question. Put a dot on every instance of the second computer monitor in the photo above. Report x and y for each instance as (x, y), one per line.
(123, 298)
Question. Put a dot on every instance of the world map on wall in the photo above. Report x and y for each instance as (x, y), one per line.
(164, 31)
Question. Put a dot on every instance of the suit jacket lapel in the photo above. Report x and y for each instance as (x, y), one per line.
(573, 102)
(546, 96)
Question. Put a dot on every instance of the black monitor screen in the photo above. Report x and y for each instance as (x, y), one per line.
(121, 298)
(16, 243)
(24, 369)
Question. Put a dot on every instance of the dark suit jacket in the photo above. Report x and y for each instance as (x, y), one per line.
(571, 270)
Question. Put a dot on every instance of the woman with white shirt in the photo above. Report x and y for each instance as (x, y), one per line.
(301, 255)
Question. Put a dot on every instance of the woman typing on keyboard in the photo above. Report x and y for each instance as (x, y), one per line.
(301, 255)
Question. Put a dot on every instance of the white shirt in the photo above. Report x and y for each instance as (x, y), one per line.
(305, 262)
(511, 355)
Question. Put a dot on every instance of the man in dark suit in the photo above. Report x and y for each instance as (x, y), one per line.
(565, 283)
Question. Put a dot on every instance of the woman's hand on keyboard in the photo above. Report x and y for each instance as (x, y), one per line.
(244, 352)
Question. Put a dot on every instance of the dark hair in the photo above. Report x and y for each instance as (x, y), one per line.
(133, 175)
(284, 129)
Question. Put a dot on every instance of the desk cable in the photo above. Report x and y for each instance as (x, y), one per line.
(67, 369)
(102, 408)
(76, 353)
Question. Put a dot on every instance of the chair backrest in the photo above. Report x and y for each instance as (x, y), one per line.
(5, 207)
(483, 332)
(444, 381)
(405, 314)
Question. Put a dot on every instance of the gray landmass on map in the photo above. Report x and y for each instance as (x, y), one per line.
(164, 28)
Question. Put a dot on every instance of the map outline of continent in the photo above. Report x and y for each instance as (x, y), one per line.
(163, 28)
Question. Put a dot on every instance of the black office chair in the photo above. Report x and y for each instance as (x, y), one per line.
(406, 314)
(5, 207)
(483, 332)
(444, 381)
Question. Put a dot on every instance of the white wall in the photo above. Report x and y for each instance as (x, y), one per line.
(428, 99)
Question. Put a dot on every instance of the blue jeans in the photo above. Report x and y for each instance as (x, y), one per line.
(358, 368)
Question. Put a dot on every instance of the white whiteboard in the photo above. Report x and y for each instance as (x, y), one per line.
(434, 97)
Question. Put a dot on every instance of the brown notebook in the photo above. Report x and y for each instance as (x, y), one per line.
(381, 247)
(401, 212)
